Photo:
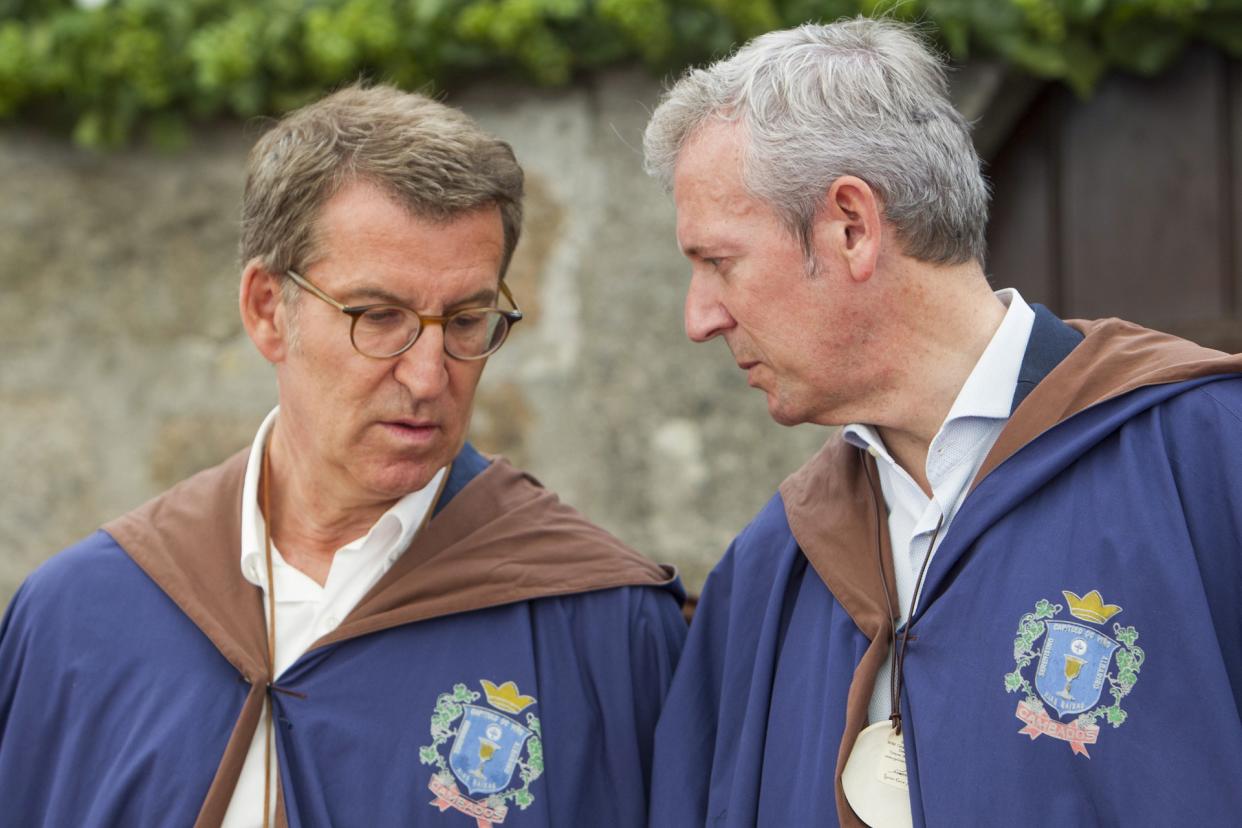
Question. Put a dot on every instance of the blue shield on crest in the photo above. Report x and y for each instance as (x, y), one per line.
(486, 750)
(1073, 667)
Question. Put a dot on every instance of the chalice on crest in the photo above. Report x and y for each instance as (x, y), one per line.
(1073, 666)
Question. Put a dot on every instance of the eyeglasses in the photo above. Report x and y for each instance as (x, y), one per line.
(383, 331)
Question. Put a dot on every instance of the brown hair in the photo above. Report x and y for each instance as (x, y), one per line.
(431, 158)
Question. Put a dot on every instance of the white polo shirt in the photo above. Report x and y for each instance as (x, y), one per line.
(954, 457)
(306, 611)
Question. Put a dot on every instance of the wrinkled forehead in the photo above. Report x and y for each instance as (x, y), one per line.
(708, 189)
(711, 158)
(372, 244)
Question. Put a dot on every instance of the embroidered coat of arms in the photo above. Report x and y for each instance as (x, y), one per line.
(1074, 667)
(488, 747)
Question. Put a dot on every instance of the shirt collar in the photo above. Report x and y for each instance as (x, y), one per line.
(252, 530)
(866, 438)
(988, 390)
(392, 532)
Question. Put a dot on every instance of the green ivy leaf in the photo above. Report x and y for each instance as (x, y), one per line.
(1223, 28)
(156, 65)
(1082, 10)
(750, 17)
(1144, 46)
(90, 130)
(1084, 65)
(14, 87)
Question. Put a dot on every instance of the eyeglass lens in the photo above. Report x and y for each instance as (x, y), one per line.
(385, 330)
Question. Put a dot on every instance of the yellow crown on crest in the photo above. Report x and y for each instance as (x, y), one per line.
(506, 697)
(1090, 607)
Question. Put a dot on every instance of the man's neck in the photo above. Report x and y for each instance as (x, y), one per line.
(309, 523)
(940, 342)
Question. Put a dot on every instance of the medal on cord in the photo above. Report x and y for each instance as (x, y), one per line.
(874, 778)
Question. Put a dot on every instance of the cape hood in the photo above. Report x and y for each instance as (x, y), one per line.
(832, 508)
(501, 539)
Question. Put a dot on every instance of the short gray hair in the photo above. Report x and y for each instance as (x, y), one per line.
(862, 97)
(431, 158)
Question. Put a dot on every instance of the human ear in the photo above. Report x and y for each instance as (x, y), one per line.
(849, 224)
(263, 312)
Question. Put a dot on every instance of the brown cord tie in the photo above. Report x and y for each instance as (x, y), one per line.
(899, 655)
(265, 489)
(265, 496)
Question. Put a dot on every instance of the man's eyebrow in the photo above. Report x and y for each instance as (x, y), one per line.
(701, 251)
(366, 294)
(479, 299)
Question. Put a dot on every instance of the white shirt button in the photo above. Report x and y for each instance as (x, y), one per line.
(330, 623)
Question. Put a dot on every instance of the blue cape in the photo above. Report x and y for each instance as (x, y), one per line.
(130, 689)
(1076, 655)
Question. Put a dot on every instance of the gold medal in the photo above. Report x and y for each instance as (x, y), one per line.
(874, 778)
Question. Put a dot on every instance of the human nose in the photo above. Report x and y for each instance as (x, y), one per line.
(705, 313)
(423, 367)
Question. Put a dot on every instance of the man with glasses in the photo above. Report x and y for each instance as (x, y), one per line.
(361, 620)
(1006, 591)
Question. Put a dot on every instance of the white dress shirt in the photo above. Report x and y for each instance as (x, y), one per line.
(306, 611)
(956, 452)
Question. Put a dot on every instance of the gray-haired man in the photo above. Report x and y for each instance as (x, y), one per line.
(925, 625)
(360, 620)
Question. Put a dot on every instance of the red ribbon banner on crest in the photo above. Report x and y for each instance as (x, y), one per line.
(1039, 723)
(448, 796)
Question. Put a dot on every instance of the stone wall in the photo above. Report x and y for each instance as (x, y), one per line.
(124, 368)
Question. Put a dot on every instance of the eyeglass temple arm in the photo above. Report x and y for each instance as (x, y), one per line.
(509, 296)
(306, 285)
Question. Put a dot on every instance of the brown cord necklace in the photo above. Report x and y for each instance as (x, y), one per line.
(899, 655)
(874, 777)
(265, 494)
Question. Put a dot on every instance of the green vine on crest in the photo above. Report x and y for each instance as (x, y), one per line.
(529, 770)
(449, 708)
(1130, 660)
(1030, 628)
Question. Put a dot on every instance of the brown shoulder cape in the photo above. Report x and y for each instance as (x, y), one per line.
(502, 539)
(831, 507)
